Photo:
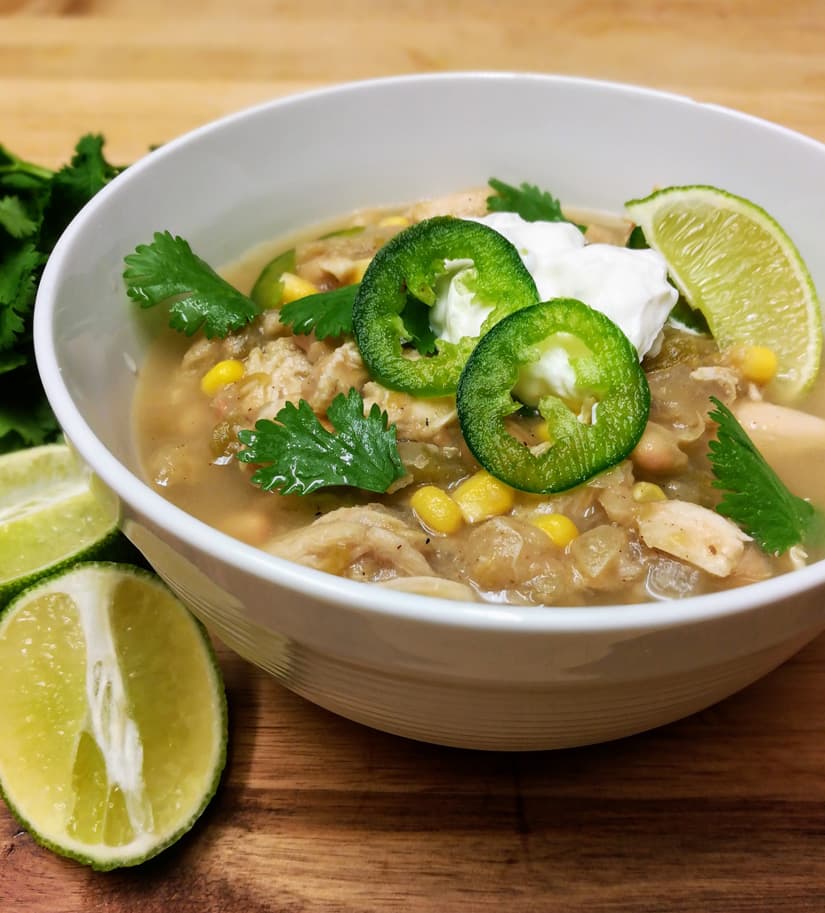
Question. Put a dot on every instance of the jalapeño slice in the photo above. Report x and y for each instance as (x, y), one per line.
(418, 263)
(582, 374)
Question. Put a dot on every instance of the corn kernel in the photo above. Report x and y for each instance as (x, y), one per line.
(644, 492)
(219, 375)
(436, 510)
(294, 287)
(542, 431)
(757, 363)
(392, 221)
(359, 267)
(481, 497)
(561, 529)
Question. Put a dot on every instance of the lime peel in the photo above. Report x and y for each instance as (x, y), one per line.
(734, 263)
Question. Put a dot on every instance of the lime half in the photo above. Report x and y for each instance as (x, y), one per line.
(53, 512)
(734, 263)
(113, 723)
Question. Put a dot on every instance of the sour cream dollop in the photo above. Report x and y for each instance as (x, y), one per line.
(628, 286)
(457, 312)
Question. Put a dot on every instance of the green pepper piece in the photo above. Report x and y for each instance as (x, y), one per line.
(348, 232)
(610, 384)
(268, 290)
(412, 263)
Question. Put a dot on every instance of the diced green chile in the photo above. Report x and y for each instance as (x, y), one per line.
(606, 367)
(410, 264)
(267, 291)
(349, 232)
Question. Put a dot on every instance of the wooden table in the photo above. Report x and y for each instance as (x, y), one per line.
(721, 812)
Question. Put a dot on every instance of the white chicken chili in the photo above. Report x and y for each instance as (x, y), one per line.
(639, 523)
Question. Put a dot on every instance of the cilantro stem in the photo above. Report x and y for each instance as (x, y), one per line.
(12, 164)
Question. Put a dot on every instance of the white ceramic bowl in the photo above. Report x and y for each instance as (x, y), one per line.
(487, 676)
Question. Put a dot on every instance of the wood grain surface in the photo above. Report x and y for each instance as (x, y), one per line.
(724, 811)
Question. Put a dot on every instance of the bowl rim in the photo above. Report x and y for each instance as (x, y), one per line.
(348, 594)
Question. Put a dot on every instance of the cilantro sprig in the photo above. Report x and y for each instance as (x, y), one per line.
(298, 455)
(168, 270)
(755, 497)
(330, 314)
(327, 313)
(36, 205)
(527, 200)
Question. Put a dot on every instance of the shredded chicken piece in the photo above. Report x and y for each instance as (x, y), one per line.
(203, 353)
(797, 557)
(314, 349)
(329, 262)
(341, 268)
(364, 543)
(286, 368)
(271, 326)
(755, 565)
(614, 493)
(727, 380)
(335, 372)
(439, 587)
(465, 203)
(416, 419)
(692, 533)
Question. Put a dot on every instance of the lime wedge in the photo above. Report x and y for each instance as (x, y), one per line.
(735, 264)
(113, 723)
(53, 512)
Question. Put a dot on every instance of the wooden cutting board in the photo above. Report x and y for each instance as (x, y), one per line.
(724, 811)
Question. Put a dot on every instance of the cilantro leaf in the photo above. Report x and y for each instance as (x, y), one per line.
(88, 171)
(74, 185)
(299, 456)
(15, 219)
(168, 270)
(327, 313)
(755, 497)
(18, 277)
(26, 423)
(527, 200)
(330, 314)
(36, 204)
(416, 317)
(682, 314)
(11, 359)
(637, 240)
